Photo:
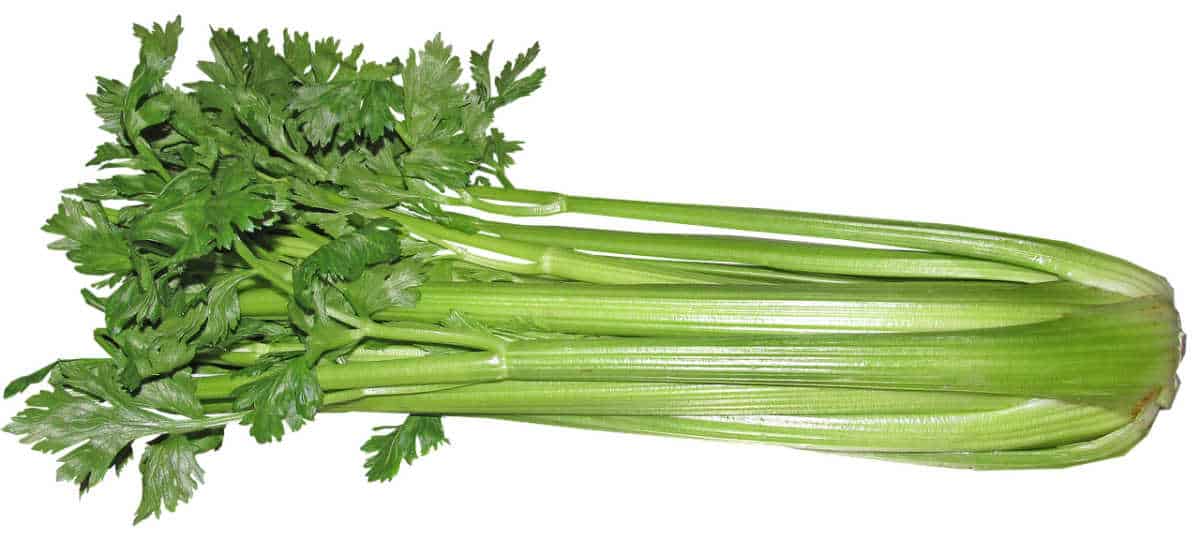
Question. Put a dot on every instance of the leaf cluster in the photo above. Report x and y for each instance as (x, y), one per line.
(299, 142)
(89, 412)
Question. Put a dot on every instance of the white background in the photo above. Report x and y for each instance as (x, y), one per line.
(1073, 120)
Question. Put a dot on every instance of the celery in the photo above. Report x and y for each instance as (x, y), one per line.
(284, 241)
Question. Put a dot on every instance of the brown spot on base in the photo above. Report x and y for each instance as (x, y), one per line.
(1141, 403)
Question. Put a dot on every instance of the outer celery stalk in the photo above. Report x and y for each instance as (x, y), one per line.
(777, 254)
(1033, 424)
(1064, 260)
(1111, 445)
(1115, 443)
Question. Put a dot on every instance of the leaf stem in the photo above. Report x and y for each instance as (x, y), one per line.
(532, 259)
(264, 268)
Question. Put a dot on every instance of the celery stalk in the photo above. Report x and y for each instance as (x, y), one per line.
(1113, 351)
(1036, 423)
(631, 398)
(688, 310)
(777, 254)
(1061, 259)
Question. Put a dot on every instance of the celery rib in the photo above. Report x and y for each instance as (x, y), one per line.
(680, 310)
(626, 398)
(1112, 351)
(1036, 423)
(1111, 445)
(776, 254)
(1062, 259)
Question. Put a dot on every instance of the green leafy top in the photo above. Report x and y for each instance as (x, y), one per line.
(306, 133)
(267, 172)
(91, 413)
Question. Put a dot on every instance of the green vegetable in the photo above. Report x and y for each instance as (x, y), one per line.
(285, 238)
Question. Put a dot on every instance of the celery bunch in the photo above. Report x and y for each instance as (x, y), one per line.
(289, 236)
